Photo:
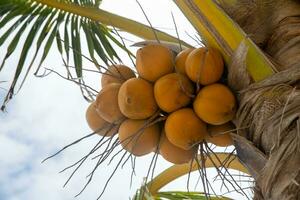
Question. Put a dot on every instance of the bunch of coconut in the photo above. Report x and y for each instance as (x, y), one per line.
(173, 104)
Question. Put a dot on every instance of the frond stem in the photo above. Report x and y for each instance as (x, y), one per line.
(110, 19)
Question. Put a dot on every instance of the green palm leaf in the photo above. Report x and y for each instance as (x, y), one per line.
(43, 22)
(176, 195)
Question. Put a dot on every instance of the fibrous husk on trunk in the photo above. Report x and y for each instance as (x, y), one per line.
(273, 25)
(271, 114)
(269, 111)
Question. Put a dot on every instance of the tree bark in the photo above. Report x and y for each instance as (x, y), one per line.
(271, 109)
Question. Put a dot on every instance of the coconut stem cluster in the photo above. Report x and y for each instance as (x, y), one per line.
(166, 89)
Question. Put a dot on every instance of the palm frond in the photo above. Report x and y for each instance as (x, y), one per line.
(170, 174)
(46, 23)
(40, 25)
(152, 189)
(175, 195)
(218, 30)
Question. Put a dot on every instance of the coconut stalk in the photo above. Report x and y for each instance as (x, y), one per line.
(110, 19)
(218, 30)
(177, 171)
(269, 103)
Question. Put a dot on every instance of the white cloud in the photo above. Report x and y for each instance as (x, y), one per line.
(13, 155)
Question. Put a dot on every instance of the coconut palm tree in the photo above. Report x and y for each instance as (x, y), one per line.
(260, 41)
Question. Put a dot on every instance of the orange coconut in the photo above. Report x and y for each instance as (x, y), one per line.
(98, 124)
(204, 65)
(136, 99)
(116, 74)
(219, 135)
(173, 91)
(181, 59)
(184, 129)
(107, 104)
(138, 138)
(153, 61)
(174, 154)
(215, 104)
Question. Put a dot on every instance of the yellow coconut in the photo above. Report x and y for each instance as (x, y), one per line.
(174, 154)
(136, 99)
(116, 74)
(215, 104)
(204, 65)
(138, 138)
(173, 91)
(184, 129)
(181, 59)
(219, 135)
(153, 61)
(98, 124)
(107, 104)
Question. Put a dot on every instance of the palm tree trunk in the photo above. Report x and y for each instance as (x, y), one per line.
(271, 109)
